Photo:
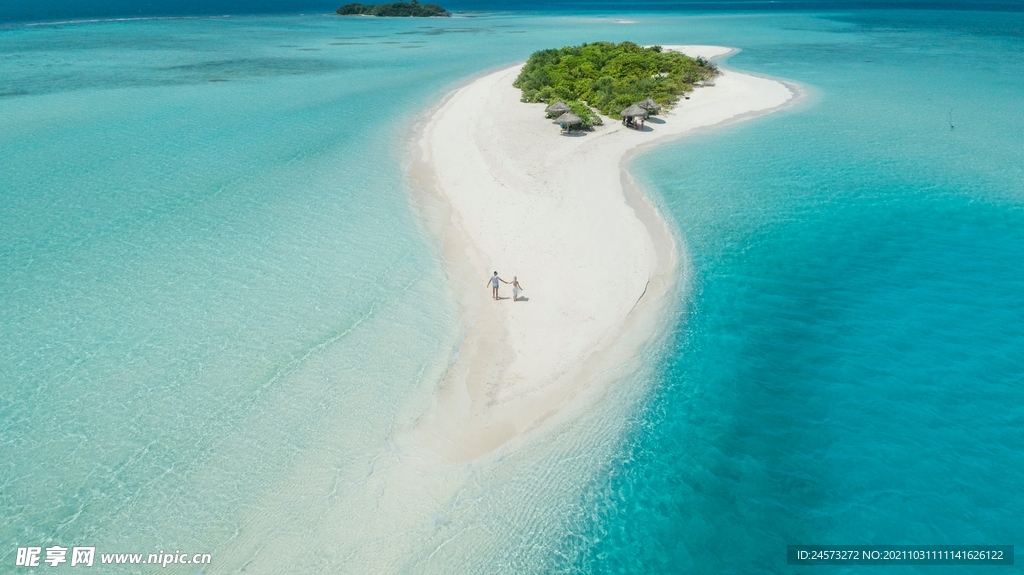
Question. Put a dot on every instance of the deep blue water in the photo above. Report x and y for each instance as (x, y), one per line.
(851, 365)
(63, 10)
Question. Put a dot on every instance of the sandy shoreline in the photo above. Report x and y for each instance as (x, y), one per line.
(504, 191)
(449, 491)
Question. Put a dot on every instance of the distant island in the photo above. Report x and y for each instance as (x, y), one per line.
(401, 9)
(610, 77)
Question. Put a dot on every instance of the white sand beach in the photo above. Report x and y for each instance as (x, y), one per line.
(507, 192)
(503, 190)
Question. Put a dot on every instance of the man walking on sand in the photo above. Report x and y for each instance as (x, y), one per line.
(494, 284)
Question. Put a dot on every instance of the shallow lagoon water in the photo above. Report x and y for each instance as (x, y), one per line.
(214, 281)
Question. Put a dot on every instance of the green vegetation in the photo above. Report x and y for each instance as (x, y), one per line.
(610, 77)
(412, 8)
(590, 119)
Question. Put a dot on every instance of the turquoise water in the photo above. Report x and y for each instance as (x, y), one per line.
(218, 304)
(850, 367)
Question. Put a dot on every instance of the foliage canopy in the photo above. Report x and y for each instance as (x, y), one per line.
(412, 8)
(590, 119)
(610, 77)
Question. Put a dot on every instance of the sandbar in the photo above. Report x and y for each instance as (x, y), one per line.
(503, 190)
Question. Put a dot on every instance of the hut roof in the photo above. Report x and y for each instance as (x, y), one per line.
(558, 107)
(568, 118)
(649, 104)
(634, 111)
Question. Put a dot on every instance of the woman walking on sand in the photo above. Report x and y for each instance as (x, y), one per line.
(516, 288)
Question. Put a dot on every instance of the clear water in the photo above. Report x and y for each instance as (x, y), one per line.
(20, 11)
(218, 306)
(850, 367)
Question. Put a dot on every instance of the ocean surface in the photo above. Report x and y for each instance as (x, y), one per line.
(218, 305)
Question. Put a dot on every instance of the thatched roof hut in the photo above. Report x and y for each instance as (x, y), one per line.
(569, 119)
(649, 105)
(557, 108)
(634, 111)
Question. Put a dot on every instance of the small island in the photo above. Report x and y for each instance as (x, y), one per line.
(400, 9)
(610, 77)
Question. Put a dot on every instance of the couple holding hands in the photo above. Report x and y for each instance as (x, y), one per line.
(516, 288)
